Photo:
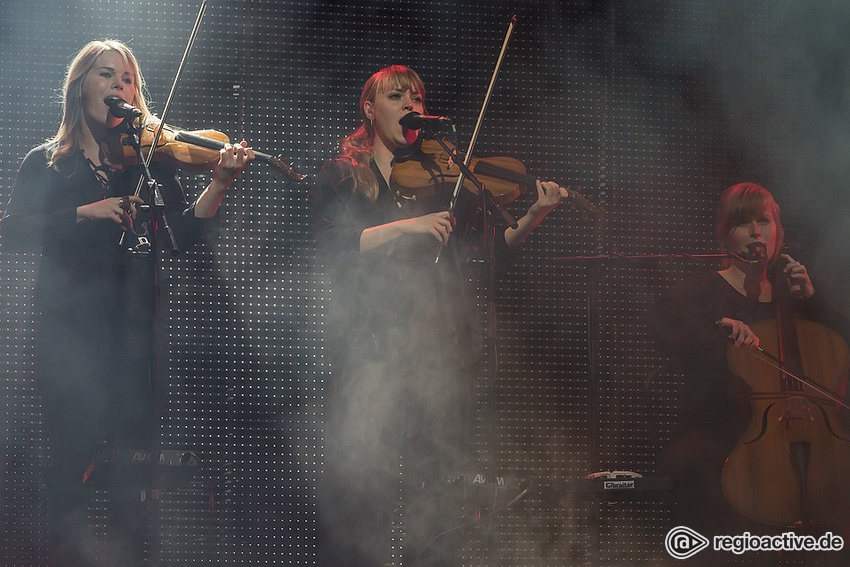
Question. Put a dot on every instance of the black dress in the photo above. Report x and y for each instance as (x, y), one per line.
(94, 337)
(404, 340)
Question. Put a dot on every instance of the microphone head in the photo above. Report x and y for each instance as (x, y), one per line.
(415, 121)
(113, 101)
(756, 252)
(411, 121)
(120, 108)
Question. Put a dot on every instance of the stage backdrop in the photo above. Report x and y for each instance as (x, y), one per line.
(651, 108)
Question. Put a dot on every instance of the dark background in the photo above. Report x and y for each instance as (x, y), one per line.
(652, 108)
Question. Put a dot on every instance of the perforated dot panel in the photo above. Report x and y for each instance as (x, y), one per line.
(649, 109)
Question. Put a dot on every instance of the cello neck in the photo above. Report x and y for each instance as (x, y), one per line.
(786, 328)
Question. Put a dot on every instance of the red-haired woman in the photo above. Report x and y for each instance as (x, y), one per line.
(697, 321)
(404, 339)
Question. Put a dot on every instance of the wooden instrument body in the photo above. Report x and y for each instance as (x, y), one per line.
(791, 429)
(431, 171)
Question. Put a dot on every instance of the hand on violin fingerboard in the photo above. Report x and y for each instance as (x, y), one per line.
(549, 195)
(233, 158)
(799, 282)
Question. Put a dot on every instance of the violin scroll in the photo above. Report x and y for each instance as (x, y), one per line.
(280, 165)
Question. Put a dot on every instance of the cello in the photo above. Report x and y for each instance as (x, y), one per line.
(788, 467)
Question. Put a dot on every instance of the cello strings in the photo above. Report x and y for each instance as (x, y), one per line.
(776, 363)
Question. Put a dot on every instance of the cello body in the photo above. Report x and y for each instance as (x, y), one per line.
(790, 465)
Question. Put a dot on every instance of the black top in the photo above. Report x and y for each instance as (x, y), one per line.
(88, 287)
(388, 288)
(94, 347)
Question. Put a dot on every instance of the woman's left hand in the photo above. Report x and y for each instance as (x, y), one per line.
(233, 158)
(799, 281)
(549, 194)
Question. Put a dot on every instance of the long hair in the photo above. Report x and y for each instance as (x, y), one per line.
(68, 138)
(744, 202)
(356, 148)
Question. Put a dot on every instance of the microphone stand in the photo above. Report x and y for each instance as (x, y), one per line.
(157, 214)
(488, 205)
(157, 206)
(148, 248)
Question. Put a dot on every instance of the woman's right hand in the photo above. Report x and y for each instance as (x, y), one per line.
(439, 225)
(739, 333)
(115, 209)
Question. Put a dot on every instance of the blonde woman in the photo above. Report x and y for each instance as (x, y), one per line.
(93, 356)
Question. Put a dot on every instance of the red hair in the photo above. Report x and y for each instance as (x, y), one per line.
(743, 203)
(356, 148)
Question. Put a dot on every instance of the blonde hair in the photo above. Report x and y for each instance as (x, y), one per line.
(68, 138)
(356, 148)
(744, 202)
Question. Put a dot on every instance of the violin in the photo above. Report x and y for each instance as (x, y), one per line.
(193, 151)
(425, 170)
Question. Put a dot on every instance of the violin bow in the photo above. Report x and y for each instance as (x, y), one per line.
(165, 109)
(275, 161)
(146, 160)
(468, 158)
(777, 363)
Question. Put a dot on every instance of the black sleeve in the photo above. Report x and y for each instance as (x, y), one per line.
(28, 217)
(188, 229)
(505, 255)
(336, 232)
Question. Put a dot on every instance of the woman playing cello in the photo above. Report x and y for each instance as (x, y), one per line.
(697, 322)
(92, 348)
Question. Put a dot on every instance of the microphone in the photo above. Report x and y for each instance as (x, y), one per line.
(121, 109)
(756, 252)
(415, 121)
